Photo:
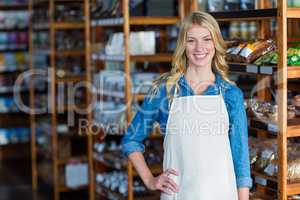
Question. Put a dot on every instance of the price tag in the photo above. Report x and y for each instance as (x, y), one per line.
(273, 127)
(252, 69)
(266, 70)
(76, 175)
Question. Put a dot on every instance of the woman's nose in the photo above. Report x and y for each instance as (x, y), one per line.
(199, 46)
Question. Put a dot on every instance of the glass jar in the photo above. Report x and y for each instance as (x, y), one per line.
(244, 30)
(234, 30)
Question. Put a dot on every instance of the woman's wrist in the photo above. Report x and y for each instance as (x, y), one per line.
(148, 180)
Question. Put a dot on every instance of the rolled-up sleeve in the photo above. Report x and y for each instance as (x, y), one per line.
(238, 135)
(142, 123)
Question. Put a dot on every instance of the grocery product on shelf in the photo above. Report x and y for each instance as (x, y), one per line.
(264, 158)
(250, 51)
(10, 62)
(14, 135)
(141, 43)
(268, 111)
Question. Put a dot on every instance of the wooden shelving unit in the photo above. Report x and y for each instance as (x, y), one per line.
(126, 23)
(55, 111)
(284, 128)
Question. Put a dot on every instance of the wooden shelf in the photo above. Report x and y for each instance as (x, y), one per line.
(136, 21)
(293, 13)
(292, 129)
(163, 57)
(67, 161)
(63, 26)
(248, 15)
(244, 68)
(65, 53)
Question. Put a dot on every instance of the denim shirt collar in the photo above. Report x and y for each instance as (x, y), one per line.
(211, 90)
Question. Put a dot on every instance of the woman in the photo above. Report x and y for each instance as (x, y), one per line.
(202, 115)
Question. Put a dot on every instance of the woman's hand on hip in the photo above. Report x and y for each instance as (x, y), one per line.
(163, 182)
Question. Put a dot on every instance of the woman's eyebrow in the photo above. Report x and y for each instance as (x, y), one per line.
(207, 36)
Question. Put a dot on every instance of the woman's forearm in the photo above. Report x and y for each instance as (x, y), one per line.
(243, 193)
(140, 165)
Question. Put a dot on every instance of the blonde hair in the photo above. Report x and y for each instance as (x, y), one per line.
(179, 60)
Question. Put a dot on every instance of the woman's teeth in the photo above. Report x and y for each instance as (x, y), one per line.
(198, 56)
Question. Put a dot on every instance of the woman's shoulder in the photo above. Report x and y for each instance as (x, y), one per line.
(232, 91)
(157, 91)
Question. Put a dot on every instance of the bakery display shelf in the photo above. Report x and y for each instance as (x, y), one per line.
(162, 57)
(293, 71)
(293, 126)
(136, 21)
(13, 7)
(293, 188)
(106, 192)
(249, 15)
(66, 25)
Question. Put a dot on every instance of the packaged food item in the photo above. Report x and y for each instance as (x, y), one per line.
(256, 49)
(296, 101)
(266, 155)
(233, 53)
(268, 58)
(293, 55)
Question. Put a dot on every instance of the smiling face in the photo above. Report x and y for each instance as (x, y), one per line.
(200, 48)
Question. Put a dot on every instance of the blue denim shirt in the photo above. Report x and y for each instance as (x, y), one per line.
(156, 109)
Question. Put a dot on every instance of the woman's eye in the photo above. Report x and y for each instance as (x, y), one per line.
(207, 39)
(190, 40)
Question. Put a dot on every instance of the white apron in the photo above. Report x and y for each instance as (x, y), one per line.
(197, 146)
